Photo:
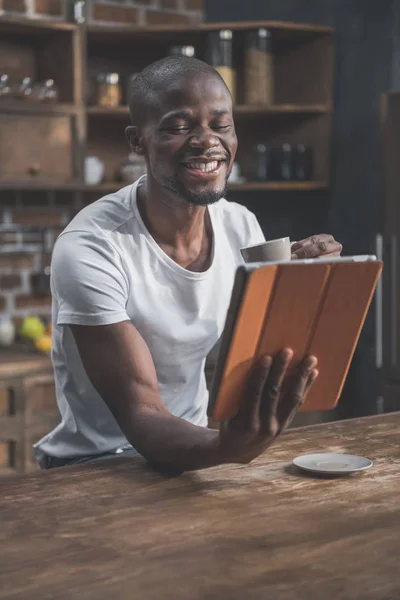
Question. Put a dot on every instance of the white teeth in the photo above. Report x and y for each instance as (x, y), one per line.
(205, 167)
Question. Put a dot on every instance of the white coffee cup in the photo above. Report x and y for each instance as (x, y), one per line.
(271, 251)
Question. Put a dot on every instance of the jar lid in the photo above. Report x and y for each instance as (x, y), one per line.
(108, 78)
(182, 50)
(225, 34)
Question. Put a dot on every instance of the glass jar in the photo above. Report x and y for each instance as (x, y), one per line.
(259, 81)
(5, 87)
(182, 51)
(109, 90)
(302, 163)
(24, 90)
(220, 56)
(47, 92)
(285, 163)
(263, 163)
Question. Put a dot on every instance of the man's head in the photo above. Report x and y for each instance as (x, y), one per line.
(181, 112)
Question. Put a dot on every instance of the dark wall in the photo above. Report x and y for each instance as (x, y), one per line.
(367, 63)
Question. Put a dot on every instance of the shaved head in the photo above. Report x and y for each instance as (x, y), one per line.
(150, 84)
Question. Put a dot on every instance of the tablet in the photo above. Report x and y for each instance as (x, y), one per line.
(314, 306)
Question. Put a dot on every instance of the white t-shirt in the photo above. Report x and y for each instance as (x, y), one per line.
(107, 268)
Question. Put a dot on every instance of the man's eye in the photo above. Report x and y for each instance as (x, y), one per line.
(176, 129)
(221, 127)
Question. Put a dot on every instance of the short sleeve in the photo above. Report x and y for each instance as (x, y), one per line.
(88, 282)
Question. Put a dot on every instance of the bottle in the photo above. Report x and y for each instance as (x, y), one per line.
(7, 331)
(303, 163)
(285, 166)
(263, 163)
(48, 92)
(25, 89)
(220, 57)
(258, 68)
(182, 51)
(5, 86)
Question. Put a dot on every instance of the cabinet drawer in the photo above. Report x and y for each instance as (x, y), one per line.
(36, 147)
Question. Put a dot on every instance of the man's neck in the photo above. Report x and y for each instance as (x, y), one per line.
(183, 231)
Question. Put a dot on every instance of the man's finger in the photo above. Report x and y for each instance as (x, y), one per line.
(326, 237)
(248, 415)
(272, 390)
(320, 247)
(296, 391)
(311, 379)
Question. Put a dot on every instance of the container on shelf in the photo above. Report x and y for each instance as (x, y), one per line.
(220, 56)
(109, 90)
(5, 86)
(302, 163)
(47, 92)
(24, 90)
(263, 163)
(7, 331)
(258, 77)
(284, 163)
(93, 170)
(182, 51)
(235, 175)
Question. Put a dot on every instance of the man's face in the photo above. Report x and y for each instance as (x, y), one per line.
(189, 140)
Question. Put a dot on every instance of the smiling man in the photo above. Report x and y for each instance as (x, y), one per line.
(141, 283)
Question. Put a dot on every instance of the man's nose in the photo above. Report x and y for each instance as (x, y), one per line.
(204, 139)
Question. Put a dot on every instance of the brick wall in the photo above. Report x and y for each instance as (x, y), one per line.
(31, 250)
(145, 12)
(112, 12)
(52, 9)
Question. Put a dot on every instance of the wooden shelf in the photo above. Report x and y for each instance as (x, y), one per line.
(114, 186)
(241, 110)
(99, 111)
(33, 26)
(289, 186)
(129, 34)
(30, 107)
(281, 109)
(32, 185)
(303, 68)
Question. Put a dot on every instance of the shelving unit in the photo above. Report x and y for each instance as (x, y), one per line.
(72, 55)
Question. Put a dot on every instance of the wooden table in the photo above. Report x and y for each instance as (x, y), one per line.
(117, 530)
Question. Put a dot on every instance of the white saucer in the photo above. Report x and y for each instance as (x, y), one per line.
(332, 464)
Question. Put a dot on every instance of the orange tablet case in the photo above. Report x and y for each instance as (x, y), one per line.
(314, 307)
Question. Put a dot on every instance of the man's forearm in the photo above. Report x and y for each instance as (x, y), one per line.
(172, 443)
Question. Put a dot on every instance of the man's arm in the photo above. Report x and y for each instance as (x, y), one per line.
(120, 367)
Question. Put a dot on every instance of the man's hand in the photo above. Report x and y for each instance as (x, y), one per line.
(271, 403)
(316, 246)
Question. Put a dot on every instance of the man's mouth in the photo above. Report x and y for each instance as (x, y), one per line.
(204, 168)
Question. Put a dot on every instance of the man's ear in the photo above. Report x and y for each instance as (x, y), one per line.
(134, 139)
